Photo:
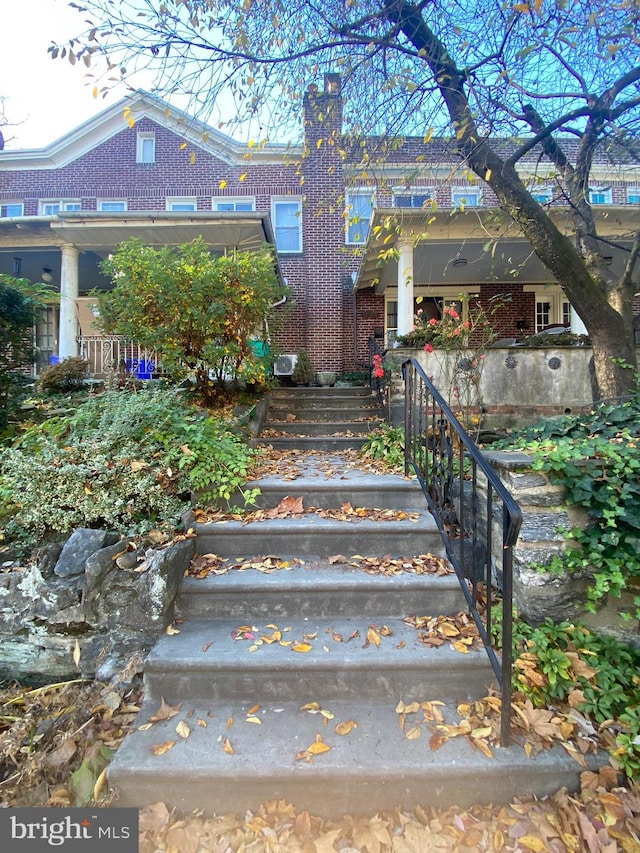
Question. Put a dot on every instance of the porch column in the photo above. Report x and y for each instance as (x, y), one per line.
(405, 287)
(577, 326)
(68, 341)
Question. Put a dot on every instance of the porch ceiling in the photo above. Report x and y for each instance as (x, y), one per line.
(449, 246)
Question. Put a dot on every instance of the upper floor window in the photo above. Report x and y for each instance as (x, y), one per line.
(600, 195)
(53, 207)
(359, 206)
(112, 205)
(146, 148)
(11, 209)
(633, 195)
(287, 224)
(181, 204)
(413, 198)
(542, 195)
(462, 197)
(234, 204)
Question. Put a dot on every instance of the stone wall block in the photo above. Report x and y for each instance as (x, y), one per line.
(138, 601)
(82, 543)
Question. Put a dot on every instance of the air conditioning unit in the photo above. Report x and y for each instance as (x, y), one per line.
(284, 365)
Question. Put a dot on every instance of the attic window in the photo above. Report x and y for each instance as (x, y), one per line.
(146, 148)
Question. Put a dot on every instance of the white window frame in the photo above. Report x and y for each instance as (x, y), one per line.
(462, 195)
(112, 205)
(559, 306)
(182, 204)
(356, 227)
(143, 155)
(64, 205)
(414, 193)
(605, 192)
(276, 203)
(633, 195)
(234, 204)
(4, 209)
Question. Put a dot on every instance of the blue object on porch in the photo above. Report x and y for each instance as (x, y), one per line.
(260, 348)
(54, 359)
(141, 369)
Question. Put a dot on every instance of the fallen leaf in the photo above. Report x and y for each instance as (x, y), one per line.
(171, 631)
(161, 748)
(183, 730)
(345, 727)
(318, 746)
(76, 653)
(165, 711)
(301, 647)
(226, 746)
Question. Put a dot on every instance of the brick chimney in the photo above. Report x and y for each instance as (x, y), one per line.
(323, 224)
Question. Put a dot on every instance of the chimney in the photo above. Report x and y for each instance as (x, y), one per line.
(323, 111)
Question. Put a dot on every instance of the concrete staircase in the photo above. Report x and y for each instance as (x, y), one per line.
(328, 418)
(286, 623)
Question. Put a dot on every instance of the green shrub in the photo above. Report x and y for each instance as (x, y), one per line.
(124, 460)
(386, 445)
(67, 375)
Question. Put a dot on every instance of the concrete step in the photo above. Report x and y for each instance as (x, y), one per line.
(312, 535)
(330, 394)
(279, 414)
(313, 443)
(373, 768)
(205, 662)
(314, 589)
(355, 487)
(318, 428)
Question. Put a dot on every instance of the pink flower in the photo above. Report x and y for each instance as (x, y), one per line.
(466, 324)
(452, 313)
(378, 372)
(427, 348)
(433, 322)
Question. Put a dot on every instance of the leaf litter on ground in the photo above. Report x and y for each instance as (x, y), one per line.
(78, 725)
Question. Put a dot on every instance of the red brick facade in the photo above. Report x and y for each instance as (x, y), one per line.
(329, 317)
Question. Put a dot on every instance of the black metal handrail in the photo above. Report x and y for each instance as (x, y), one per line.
(471, 507)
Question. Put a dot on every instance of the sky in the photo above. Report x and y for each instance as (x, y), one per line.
(43, 98)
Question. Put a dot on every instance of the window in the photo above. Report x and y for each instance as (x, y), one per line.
(633, 195)
(52, 208)
(542, 195)
(600, 195)
(287, 224)
(359, 207)
(181, 204)
(12, 209)
(462, 197)
(112, 205)
(413, 198)
(234, 204)
(146, 148)
(552, 307)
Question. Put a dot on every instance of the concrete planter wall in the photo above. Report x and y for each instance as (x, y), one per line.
(517, 383)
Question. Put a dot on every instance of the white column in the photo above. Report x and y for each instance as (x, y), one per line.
(405, 287)
(68, 340)
(577, 326)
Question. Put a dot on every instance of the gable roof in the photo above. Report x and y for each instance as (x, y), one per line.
(116, 118)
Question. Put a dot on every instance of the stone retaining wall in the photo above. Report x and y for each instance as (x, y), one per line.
(96, 597)
(546, 517)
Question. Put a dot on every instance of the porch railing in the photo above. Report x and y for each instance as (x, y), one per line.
(117, 356)
(472, 508)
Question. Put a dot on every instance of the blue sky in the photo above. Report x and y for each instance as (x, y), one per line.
(44, 99)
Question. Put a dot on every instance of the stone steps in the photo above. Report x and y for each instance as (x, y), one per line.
(288, 621)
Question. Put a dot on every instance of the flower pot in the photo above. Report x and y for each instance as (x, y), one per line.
(326, 378)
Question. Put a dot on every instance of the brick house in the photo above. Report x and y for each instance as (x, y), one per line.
(332, 208)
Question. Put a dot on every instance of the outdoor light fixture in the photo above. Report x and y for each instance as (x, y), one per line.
(460, 262)
(607, 259)
(46, 274)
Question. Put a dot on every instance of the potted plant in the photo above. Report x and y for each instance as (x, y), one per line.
(303, 371)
